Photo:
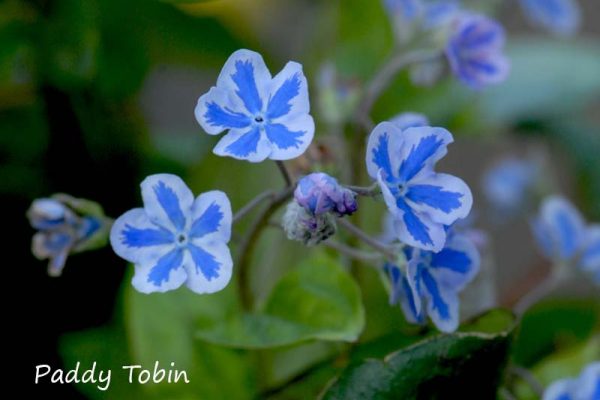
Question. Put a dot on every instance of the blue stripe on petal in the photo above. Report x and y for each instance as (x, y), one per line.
(134, 237)
(279, 104)
(418, 156)
(568, 234)
(416, 228)
(435, 197)
(204, 262)
(381, 156)
(438, 302)
(282, 137)
(451, 259)
(217, 116)
(160, 272)
(245, 145)
(170, 203)
(208, 222)
(410, 300)
(247, 90)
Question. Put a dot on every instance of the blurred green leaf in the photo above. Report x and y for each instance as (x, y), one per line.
(459, 365)
(161, 328)
(70, 38)
(552, 326)
(317, 300)
(545, 80)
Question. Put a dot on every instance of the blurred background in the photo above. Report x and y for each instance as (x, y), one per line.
(97, 94)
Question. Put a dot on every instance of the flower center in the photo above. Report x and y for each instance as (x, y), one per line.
(181, 238)
(259, 119)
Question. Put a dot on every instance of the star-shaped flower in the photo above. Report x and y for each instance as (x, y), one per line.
(421, 201)
(563, 236)
(430, 285)
(584, 387)
(175, 238)
(561, 17)
(266, 117)
(474, 51)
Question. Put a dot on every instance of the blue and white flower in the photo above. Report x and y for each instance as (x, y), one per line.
(62, 231)
(510, 183)
(264, 116)
(320, 193)
(410, 17)
(584, 387)
(563, 236)
(430, 283)
(561, 17)
(475, 51)
(176, 239)
(421, 201)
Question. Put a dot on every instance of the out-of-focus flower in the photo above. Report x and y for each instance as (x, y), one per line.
(584, 387)
(320, 193)
(510, 183)
(430, 284)
(563, 237)
(176, 239)
(410, 17)
(66, 226)
(265, 116)
(306, 227)
(338, 96)
(421, 201)
(409, 120)
(561, 17)
(475, 51)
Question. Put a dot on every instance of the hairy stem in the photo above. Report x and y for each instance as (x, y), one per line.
(285, 173)
(369, 191)
(529, 378)
(252, 204)
(358, 233)
(248, 244)
(352, 252)
(539, 292)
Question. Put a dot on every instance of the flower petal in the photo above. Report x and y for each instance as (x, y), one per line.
(167, 201)
(289, 93)
(246, 75)
(456, 264)
(291, 138)
(211, 215)
(136, 239)
(250, 145)
(445, 198)
(590, 256)
(411, 227)
(379, 150)
(216, 111)
(565, 226)
(561, 17)
(208, 267)
(442, 304)
(421, 148)
(409, 120)
(162, 274)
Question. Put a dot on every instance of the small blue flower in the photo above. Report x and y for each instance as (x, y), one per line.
(320, 193)
(509, 184)
(175, 238)
(266, 117)
(421, 201)
(561, 17)
(61, 231)
(430, 285)
(409, 120)
(584, 387)
(474, 51)
(410, 17)
(562, 236)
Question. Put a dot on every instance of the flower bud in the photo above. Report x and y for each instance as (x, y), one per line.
(307, 228)
(319, 193)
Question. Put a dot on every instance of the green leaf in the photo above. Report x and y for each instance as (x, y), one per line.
(544, 80)
(552, 326)
(459, 365)
(161, 328)
(317, 300)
